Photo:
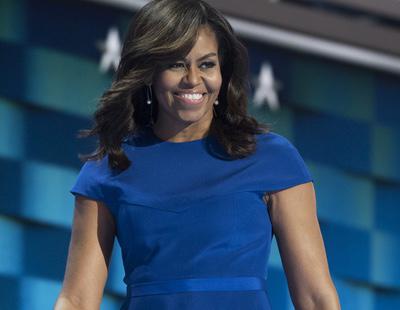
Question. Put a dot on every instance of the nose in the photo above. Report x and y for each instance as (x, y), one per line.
(192, 76)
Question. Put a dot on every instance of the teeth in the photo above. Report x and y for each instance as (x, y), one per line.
(192, 96)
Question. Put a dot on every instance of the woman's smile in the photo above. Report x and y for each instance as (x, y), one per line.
(187, 88)
(195, 98)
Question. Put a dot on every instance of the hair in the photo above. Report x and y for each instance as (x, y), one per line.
(161, 31)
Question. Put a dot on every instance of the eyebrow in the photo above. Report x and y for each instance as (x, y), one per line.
(205, 56)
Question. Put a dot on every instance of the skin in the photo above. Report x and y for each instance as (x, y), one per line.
(293, 215)
(292, 211)
(91, 244)
(178, 122)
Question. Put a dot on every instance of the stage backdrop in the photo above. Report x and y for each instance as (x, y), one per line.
(345, 121)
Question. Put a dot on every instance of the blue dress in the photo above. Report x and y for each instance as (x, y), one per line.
(191, 222)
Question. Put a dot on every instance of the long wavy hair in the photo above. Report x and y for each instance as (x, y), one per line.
(161, 31)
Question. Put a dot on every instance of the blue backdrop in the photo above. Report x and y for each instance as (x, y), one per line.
(345, 121)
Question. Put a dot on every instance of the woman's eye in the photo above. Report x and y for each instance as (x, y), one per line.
(180, 65)
(208, 64)
(177, 65)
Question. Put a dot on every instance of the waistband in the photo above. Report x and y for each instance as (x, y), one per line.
(196, 284)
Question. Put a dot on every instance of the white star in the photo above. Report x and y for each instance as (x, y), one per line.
(266, 88)
(111, 49)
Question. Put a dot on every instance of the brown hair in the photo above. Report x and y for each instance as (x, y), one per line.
(162, 31)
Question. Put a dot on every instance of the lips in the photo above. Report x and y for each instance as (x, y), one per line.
(190, 98)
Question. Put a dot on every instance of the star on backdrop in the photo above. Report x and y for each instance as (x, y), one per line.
(111, 50)
(266, 88)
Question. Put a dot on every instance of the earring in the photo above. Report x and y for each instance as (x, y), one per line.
(216, 102)
(149, 94)
(149, 100)
(214, 112)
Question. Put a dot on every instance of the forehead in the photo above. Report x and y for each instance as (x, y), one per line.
(206, 42)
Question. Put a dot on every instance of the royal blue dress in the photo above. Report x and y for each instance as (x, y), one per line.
(194, 231)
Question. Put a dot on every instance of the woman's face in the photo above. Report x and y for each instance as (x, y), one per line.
(187, 89)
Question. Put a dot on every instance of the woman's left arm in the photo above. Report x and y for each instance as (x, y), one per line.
(296, 228)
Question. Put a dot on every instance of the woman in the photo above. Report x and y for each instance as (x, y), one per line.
(192, 186)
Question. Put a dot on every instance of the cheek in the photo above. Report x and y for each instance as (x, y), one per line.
(162, 85)
(214, 82)
(163, 82)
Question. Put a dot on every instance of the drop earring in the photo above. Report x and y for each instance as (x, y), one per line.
(214, 111)
(149, 101)
(149, 94)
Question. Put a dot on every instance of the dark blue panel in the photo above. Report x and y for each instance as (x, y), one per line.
(277, 288)
(12, 65)
(51, 137)
(387, 300)
(387, 100)
(10, 185)
(46, 251)
(387, 197)
(9, 293)
(71, 26)
(332, 140)
(348, 250)
(278, 58)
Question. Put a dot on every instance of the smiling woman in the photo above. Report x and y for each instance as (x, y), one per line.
(187, 91)
(192, 186)
(172, 48)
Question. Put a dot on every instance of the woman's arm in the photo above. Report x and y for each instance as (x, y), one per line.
(295, 225)
(89, 253)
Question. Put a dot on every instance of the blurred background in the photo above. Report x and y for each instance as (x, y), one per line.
(325, 74)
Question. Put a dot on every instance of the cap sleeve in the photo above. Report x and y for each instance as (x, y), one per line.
(90, 179)
(282, 164)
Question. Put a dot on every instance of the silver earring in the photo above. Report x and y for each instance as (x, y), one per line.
(148, 94)
(216, 102)
(149, 100)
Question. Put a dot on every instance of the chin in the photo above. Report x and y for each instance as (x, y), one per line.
(192, 116)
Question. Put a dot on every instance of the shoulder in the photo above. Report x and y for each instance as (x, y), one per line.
(273, 142)
(96, 169)
(279, 154)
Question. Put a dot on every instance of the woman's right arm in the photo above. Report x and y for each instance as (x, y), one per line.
(90, 248)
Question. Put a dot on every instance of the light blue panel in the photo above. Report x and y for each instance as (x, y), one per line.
(353, 295)
(45, 193)
(116, 273)
(280, 121)
(385, 258)
(386, 152)
(387, 212)
(12, 21)
(332, 88)
(342, 197)
(110, 303)
(63, 82)
(11, 130)
(38, 293)
(348, 250)
(12, 247)
(277, 289)
(275, 258)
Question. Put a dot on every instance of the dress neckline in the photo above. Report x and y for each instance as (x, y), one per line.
(155, 138)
